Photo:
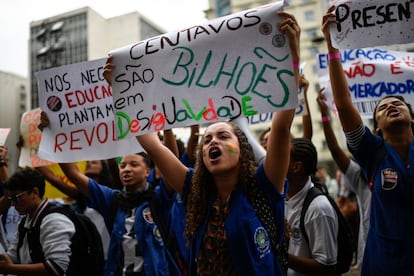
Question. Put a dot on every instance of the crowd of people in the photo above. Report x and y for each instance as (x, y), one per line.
(229, 203)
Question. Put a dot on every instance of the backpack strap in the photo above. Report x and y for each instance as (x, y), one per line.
(33, 234)
(312, 193)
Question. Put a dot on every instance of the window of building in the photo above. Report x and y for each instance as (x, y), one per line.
(309, 15)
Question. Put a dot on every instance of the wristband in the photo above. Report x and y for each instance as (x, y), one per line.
(325, 119)
(295, 64)
(336, 55)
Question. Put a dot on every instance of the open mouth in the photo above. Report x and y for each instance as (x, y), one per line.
(393, 113)
(214, 153)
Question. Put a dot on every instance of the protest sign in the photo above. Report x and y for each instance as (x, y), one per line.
(301, 109)
(51, 191)
(78, 103)
(4, 132)
(369, 23)
(372, 73)
(237, 65)
(31, 136)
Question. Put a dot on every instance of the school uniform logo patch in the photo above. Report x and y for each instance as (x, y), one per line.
(262, 241)
(146, 214)
(389, 179)
(157, 234)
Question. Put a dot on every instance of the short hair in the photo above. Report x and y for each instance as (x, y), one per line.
(147, 159)
(304, 150)
(26, 179)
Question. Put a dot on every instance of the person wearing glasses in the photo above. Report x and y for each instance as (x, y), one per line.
(25, 190)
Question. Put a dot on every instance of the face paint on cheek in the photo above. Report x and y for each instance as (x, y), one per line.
(379, 114)
(232, 148)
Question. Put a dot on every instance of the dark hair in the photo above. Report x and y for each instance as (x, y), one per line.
(105, 176)
(303, 150)
(26, 179)
(147, 159)
(401, 98)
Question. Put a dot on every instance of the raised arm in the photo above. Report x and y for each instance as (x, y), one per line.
(69, 190)
(278, 150)
(192, 143)
(80, 180)
(71, 170)
(172, 170)
(170, 141)
(307, 118)
(338, 154)
(348, 114)
(4, 162)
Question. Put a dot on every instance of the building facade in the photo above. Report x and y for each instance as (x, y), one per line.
(14, 92)
(81, 35)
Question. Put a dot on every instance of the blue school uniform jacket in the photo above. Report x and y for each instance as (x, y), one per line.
(390, 243)
(247, 239)
(157, 258)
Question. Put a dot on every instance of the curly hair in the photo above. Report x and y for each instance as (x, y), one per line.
(203, 186)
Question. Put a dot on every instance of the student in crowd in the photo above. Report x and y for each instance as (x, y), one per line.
(351, 178)
(330, 182)
(97, 170)
(390, 243)
(225, 188)
(25, 190)
(10, 218)
(135, 216)
(317, 255)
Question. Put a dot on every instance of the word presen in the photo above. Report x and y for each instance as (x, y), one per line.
(373, 15)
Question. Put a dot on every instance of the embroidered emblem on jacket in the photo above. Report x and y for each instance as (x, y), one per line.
(146, 214)
(389, 179)
(261, 238)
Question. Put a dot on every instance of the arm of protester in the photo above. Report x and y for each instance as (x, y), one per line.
(71, 170)
(278, 149)
(310, 266)
(74, 174)
(306, 119)
(4, 161)
(348, 114)
(338, 154)
(192, 143)
(170, 141)
(66, 188)
(172, 170)
(8, 267)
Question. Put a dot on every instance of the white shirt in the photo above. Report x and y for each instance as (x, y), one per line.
(56, 232)
(352, 180)
(321, 225)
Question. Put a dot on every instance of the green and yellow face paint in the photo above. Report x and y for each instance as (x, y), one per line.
(379, 114)
(230, 147)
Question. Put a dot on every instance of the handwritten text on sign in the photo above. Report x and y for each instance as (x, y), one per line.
(78, 102)
(31, 136)
(373, 73)
(368, 23)
(232, 66)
